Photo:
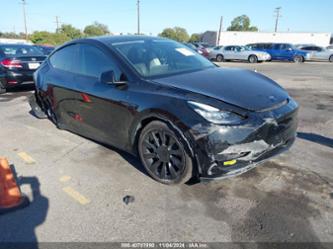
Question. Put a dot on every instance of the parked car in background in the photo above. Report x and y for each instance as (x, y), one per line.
(202, 49)
(155, 98)
(191, 46)
(318, 53)
(281, 51)
(330, 47)
(46, 50)
(17, 64)
(240, 53)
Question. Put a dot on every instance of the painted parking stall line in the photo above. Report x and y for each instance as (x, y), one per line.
(26, 157)
(76, 195)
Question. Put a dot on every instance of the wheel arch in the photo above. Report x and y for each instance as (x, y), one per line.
(173, 123)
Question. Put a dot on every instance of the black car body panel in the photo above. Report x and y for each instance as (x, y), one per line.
(242, 88)
(115, 114)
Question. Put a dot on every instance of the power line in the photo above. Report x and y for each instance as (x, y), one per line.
(25, 19)
(277, 15)
(138, 12)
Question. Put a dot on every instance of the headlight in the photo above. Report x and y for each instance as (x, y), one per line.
(215, 115)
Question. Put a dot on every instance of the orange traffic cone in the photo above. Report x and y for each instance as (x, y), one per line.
(11, 197)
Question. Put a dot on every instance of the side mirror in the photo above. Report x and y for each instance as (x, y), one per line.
(108, 77)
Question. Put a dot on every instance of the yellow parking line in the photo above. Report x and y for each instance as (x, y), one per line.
(26, 158)
(76, 195)
(64, 178)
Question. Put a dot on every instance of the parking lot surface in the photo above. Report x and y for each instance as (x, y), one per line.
(77, 186)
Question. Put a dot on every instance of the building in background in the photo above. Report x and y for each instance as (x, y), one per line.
(209, 37)
(243, 38)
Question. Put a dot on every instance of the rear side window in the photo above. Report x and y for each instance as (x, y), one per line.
(267, 46)
(307, 48)
(66, 59)
(13, 50)
(94, 62)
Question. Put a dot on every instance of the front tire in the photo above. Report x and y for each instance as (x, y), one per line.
(298, 59)
(331, 58)
(253, 59)
(163, 154)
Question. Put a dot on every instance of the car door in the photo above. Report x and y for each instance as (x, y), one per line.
(102, 112)
(61, 84)
(285, 52)
(320, 54)
(228, 52)
(238, 53)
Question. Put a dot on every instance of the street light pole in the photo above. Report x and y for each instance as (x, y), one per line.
(25, 19)
(138, 12)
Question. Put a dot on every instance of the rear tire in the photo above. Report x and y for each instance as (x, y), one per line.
(219, 58)
(331, 58)
(163, 154)
(253, 59)
(2, 88)
(298, 59)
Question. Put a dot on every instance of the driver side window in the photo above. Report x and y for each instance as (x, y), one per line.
(94, 62)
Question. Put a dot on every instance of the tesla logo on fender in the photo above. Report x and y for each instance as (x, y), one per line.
(85, 98)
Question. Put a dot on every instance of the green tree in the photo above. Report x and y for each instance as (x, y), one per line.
(44, 37)
(195, 38)
(70, 31)
(96, 29)
(12, 35)
(242, 23)
(176, 33)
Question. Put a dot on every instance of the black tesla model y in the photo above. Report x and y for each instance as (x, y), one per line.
(155, 98)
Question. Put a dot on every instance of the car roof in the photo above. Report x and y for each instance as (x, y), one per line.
(123, 38)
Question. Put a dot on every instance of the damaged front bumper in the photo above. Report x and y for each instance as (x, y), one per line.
(226, 151)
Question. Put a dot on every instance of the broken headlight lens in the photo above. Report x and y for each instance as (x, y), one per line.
(215, 115)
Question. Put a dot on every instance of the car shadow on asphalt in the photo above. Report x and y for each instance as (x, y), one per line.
(15, 92)
(319, 139)
(136, 163)
(19, 227)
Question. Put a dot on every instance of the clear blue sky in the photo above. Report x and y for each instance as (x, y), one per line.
(194, 15)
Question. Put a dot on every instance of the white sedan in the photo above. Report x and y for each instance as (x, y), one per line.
(241, 53)
(319, 53)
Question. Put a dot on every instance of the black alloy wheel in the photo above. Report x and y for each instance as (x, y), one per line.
(50, 113)
(163, 154)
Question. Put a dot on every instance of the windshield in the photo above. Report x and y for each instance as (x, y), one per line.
(161, 57)
(19, 50)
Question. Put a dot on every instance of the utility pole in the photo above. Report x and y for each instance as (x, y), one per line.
(138, 10)
(277, 15)
(57, 22)
(220, 31)
(25, 19)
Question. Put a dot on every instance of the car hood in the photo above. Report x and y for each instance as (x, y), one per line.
(242, 88)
